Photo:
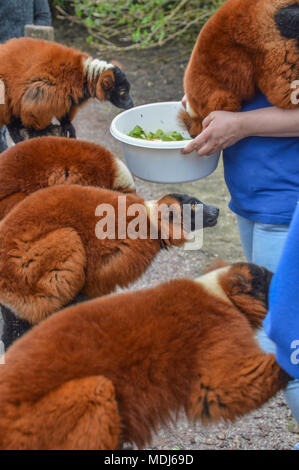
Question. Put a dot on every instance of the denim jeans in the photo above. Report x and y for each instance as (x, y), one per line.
(262, 245)
(3, 144)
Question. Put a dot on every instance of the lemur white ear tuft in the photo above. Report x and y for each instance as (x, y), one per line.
(123, 178)
(189, 110)
(95, 67)
(210, 282)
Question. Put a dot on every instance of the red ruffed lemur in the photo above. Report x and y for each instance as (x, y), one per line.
(109, 371)
(245, 46)
(70, 240)
(43, 80)
(48, 161)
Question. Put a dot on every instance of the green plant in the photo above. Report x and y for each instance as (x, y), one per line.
(139, 133)
(131, 24)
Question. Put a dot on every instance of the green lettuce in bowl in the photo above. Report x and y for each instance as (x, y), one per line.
(139, 133)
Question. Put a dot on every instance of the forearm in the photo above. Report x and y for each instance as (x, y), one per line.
(221, 129)
(270, 122)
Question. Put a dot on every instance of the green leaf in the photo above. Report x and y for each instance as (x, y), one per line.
(139, 133)
(89, 22)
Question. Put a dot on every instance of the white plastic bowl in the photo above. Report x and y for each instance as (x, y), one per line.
(158, 161)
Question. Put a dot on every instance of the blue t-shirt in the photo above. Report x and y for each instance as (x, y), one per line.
(262, 174)
(282, 321)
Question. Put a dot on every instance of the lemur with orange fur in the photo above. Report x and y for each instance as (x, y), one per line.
(47, 161)
(78, 382)
(245, 46)
(44, 80)
(51, 251)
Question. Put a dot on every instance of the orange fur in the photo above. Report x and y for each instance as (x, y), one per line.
(45, 80)
(109, 371)
(239, 50)
(48, 161)
(49, 251)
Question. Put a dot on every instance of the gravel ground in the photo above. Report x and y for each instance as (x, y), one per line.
(157, 76)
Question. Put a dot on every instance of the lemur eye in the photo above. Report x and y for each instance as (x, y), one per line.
(122, 92)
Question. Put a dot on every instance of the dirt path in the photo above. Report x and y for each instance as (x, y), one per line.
(157, 76)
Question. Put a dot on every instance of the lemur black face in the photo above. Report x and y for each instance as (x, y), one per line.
(210, 213)
(119, 95)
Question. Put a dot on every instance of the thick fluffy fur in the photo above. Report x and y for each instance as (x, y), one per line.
(48, 161)
(78, 382)
(44, 80)
(49, 251)
(247, 44)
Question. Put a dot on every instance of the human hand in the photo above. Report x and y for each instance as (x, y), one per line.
(221, 129)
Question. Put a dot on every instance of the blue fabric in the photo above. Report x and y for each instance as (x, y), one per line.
(262, 243)
(15, 14)
(262, 174)
(282, 321)
(291, 393)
